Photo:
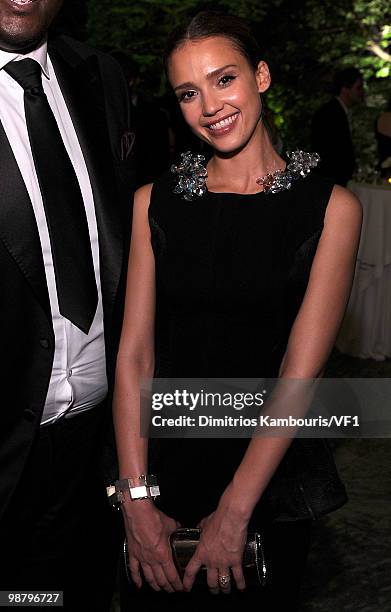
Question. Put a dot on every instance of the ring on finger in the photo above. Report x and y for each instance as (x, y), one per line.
(224, 580)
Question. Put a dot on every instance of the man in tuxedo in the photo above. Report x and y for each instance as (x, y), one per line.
(65, 159)
(331, 127)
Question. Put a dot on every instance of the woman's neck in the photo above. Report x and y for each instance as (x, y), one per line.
(238, 173)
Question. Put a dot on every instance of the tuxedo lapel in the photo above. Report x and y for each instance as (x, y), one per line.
(82, 88)
(18, 227)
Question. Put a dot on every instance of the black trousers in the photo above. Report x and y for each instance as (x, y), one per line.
(287, 545)
(59, 532)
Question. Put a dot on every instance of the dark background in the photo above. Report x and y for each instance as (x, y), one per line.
(304, 42)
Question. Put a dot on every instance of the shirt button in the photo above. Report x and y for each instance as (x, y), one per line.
(44, 342)
(29, 415)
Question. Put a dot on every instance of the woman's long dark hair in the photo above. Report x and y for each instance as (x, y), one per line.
(213, 23)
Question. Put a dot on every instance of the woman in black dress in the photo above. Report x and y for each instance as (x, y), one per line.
(248, 279)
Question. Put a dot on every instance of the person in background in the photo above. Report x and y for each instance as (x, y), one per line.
(331, 128)
(65, 150)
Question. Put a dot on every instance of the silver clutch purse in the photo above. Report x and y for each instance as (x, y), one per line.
(184, 542)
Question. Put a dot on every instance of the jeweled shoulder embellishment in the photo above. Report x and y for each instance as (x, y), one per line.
(192, 176)
(300, 166)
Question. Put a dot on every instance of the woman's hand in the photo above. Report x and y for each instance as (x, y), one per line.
(147, 532)
(220, 549)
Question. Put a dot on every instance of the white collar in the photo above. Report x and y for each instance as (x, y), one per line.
(347, 111)
(40, 55)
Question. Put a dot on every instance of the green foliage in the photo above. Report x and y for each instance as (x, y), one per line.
(304, 41)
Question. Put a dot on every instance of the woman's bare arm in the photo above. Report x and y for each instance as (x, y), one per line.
(135, 358)
(147, 528)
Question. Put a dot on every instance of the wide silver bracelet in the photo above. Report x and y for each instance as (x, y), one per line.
(143, 487)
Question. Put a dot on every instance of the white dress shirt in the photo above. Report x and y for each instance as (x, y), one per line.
(78, 379)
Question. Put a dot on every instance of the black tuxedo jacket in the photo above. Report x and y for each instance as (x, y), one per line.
(331, 138)
(96, 95)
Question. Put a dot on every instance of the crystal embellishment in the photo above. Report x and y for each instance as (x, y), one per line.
(299, 166)
(192, 175)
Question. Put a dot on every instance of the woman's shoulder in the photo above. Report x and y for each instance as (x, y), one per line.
(160, 182)
(156, 200)
(343, 207)
(163, 189)
(141, 203)
(308, 202)
(147, 194)
(144, 192)
(142, 199)
(322, 198)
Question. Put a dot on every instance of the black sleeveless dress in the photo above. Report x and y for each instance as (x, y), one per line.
(231, 274)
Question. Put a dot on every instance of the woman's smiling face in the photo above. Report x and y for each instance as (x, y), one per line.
(218, 91)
